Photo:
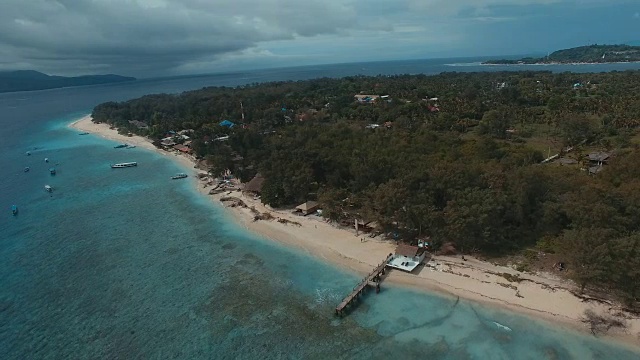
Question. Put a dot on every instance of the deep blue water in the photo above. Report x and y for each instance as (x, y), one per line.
(126, 264)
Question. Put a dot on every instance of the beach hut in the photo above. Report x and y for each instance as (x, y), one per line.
(182, 148)
(254, 186)
(307, 208)
(227, 123)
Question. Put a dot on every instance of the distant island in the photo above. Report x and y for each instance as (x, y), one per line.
(29, 80)
(592, 54)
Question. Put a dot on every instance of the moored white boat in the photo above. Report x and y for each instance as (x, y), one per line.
(48, 188)
(124, 165)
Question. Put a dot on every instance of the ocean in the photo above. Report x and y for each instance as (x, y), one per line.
(127, 264)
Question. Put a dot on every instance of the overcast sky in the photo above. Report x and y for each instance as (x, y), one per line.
(170, 37)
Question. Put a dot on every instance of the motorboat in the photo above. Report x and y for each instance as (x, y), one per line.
(52, 171)
(120, 146)
(84, 133)
(27, 169)
(48, 188)
(179, 176)
(46, 160)
(124, 165)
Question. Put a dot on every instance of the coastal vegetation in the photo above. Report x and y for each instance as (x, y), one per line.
(591, 54)
(28, 80)
(456, 157)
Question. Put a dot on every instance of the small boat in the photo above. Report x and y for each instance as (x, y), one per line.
(120, 146)
(52, 171)
(48, 188)
(179, 176)
(131, 146)
(506, 328)
(14, 210)
(124, 165)
(26, 169)
(46, 160)
(84, 133)
(28, 153)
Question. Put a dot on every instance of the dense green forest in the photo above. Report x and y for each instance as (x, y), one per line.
(28, 80)
(582, 54)
(456, 157)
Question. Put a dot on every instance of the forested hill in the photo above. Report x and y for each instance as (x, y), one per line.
(582, 54)
(456, 157)
(28, 80)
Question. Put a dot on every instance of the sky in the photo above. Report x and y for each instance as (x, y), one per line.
(147, 38)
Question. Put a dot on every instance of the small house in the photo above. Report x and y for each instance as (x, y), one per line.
(598, 157)
(566, 161)
(168, 142)
(595, 169)
(407, 257)
(307, 208)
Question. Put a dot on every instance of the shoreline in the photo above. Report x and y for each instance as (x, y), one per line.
(563, 63)
(542, 295)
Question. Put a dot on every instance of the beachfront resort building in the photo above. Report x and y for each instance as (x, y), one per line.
(366, 99)
(407, 257)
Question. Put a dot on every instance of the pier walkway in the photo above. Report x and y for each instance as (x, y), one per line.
(373, 279)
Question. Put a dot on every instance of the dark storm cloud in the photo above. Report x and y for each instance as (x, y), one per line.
(158, 37)
(154, 35)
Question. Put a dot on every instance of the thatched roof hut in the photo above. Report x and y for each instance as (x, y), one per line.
(255, 184)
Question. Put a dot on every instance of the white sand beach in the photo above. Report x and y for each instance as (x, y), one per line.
(542, 295)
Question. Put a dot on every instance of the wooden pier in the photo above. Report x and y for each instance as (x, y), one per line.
(373, 279)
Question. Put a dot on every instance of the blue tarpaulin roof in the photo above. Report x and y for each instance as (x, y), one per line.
(227, 123)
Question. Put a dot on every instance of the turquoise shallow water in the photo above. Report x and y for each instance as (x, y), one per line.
(126, 264)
